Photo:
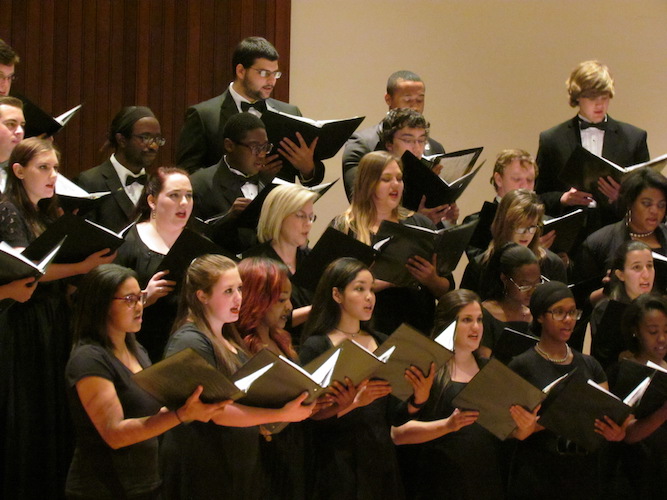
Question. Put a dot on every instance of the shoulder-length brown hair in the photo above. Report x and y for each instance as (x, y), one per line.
(361, 213)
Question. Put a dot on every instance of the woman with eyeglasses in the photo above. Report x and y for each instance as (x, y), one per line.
(644, 461)
(378, 191)
(546, 465)
(518, 220)
(220, 458)
(116, 422)
(643, 198)
(285, 222)
(35, 336)
(450, 456)
(164, 209)
(632, 275)
(508, 282)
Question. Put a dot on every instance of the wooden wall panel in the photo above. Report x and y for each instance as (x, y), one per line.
(165, 54)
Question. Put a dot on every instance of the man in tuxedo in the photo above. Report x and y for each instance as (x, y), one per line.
(135, 136)
(590, 88)
(255, 66)
(405, 89)
(8, 60)
(239, 176)
(12, 130)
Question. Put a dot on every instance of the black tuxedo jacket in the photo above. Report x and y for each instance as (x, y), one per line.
(365, 141)
(624, 144)
(116, 211)
(201, 142)
(215, 189)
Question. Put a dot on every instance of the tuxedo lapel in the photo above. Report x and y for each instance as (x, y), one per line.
(227, 110)
(612, 147)
(226, 184)
(113, 184)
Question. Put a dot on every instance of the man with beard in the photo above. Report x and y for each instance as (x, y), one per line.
(135, 137)
(255, 66)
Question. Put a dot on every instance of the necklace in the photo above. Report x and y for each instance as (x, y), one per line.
(640, 235)
(349, 334)
(546, 355)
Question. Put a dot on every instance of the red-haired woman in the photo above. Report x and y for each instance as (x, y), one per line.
(265, 310)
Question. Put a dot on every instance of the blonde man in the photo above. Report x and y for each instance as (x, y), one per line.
(590, 88)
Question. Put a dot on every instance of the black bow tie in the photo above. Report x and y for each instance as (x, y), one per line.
(129, 180)
(584, 125)
(252, 179)
(257, 105)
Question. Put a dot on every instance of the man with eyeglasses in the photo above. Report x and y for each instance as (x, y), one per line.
(404, 129)
(8, 60)
(255, 66)
(405, 89)
(237, 179)
(135, 137)
(12, 130)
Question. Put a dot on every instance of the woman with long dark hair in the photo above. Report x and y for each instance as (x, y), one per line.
(117, 422)
(352, 452)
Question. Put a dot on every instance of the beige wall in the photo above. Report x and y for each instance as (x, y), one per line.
(494, 69)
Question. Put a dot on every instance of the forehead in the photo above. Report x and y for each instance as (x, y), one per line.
(410, 132)
(127, 287)
(363, 276)
(146, 125)
(177, 181)
(518, 167)
(470, 309)
(391, 168)
(651, 192)
(11, 113)
(263, 63)
(7, 69)
(407, 87)
(527, 271)
(256, 135)
(228, 278)
(564, 304)
(636, 255)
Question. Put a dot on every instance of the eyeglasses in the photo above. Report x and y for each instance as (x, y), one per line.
(524, 230)
(528, 288)
(149, 140)
(303, 217)
(133, 299)
(257, 149)
(560, 315)
(7, 78)
(265, 73)
(412, 141)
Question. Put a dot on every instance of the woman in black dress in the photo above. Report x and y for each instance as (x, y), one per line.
(449, 456)
(645, 460)
(117, 422)
(378, 190)
(284, 225)
(352, 455)
(34, 337)
(164, 209)
(632, 275)
(643, 198)
(220, 458)
(509, 281)
(546, 465)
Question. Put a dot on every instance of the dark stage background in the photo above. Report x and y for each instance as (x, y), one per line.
(106, 54)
